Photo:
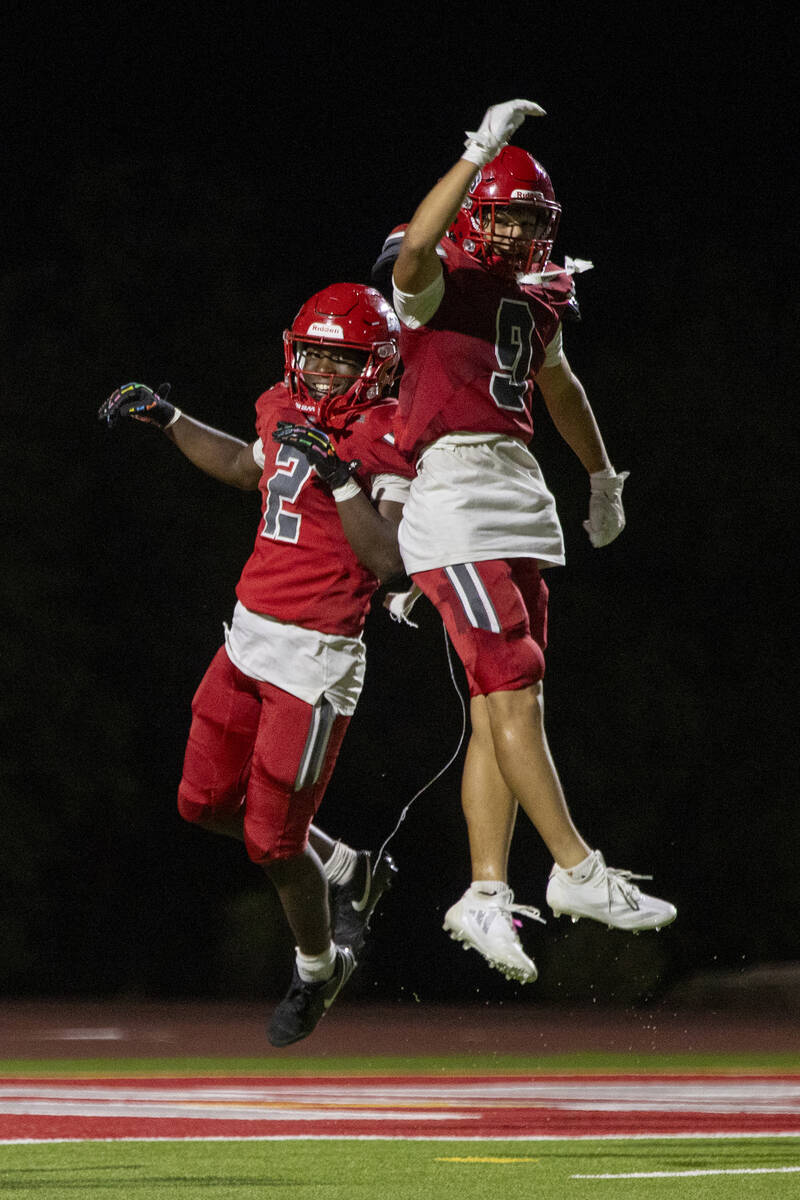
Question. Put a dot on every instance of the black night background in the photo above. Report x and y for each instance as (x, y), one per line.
(176, 186)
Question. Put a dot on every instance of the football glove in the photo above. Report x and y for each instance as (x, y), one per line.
(318, 449)
(498, 126)
(606, 515)
(139, 402)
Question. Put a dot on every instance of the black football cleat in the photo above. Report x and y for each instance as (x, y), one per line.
(301, 1009)
(353, 903)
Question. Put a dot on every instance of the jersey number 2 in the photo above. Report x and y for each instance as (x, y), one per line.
(513, 351)
(282, 487)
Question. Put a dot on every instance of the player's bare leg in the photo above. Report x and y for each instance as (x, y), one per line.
(227, 824)
(321, 968)
(303, 892)
(524, 760)
(581, 884)
(482, 919)
(488, 804)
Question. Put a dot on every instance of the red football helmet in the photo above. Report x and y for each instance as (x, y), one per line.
(360, 330)
(514, 179)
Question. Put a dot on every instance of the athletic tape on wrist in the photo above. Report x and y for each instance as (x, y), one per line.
(346, 491)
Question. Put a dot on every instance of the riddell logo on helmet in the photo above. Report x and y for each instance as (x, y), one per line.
(323, 329)
(522, 194)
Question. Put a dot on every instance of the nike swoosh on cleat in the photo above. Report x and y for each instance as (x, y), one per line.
(360, 905)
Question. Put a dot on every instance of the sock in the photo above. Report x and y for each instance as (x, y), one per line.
(487, 887)
(341, 865)
(582, 870)
(315, 968)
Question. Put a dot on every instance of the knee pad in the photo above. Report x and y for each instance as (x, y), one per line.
(500, 662)
(191, 809)
(277, 818)
(262, 855)
(495, 612)
(197, 806)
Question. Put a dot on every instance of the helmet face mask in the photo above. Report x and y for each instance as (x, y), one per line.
(327, 369)
(509, 220)
(341, 353)
(517, 252)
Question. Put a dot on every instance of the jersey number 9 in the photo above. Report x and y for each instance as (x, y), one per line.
(513, 351)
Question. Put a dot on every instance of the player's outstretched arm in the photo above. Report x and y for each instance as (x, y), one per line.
(218, 454)
(417, 264)
(572, 416)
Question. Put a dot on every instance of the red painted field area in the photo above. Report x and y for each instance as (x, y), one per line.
(418, 1107)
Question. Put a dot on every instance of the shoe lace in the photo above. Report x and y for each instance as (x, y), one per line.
(505, 902)
(616, 877)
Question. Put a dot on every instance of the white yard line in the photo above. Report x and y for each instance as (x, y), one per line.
(450, 1137)
(694, 1174)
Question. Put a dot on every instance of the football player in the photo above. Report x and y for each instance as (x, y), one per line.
(480, 304)
(270, 713)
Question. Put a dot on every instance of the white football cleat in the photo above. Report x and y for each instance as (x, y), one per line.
(607, 895)
(484, 922)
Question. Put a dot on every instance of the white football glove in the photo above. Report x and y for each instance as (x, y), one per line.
(606, 515)
(498, 126)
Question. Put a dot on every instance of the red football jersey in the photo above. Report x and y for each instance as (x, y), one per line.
(303, 569)
(471, 368)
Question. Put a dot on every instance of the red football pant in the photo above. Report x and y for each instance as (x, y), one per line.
(496, 615)
(253, 745)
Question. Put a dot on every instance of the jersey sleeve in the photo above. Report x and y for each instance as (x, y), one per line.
(554, 351)
(390, 487)
(415, 309)
(258, 453)
(383, 467)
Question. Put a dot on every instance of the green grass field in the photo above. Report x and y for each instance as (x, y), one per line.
(476, 1064)
(723, 1168)
(404, 1170)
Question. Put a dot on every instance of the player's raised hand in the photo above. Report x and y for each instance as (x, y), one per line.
(140, 403)
(606, 514)
(498, 126)
(318, 449)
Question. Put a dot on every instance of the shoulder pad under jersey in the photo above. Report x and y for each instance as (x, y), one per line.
(559, 283)
(381, 273)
